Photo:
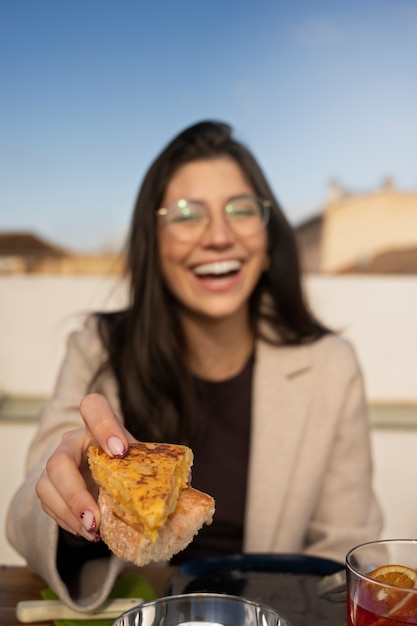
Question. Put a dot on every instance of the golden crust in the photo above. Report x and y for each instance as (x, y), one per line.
(144, 485)
(194, 509)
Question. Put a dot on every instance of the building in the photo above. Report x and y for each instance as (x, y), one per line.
(372, 233)
(309, 239)
(27, 253)
(22, 252)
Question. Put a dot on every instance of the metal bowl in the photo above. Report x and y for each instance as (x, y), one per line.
(193, 609)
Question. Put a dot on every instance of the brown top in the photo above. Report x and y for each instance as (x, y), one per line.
(221, 452)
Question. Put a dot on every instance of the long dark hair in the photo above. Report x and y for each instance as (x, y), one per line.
(145, 343)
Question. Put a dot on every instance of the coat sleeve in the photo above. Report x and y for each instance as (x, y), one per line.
(29, 529)
(346, 512)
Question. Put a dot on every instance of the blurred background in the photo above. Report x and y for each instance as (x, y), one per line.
(325, 95)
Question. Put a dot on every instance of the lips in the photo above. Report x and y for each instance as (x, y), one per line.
(218, 268)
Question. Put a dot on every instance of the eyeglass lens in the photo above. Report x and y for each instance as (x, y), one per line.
(245, 215)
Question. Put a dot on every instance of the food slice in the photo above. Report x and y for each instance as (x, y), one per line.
(131, 543)
(144, 485)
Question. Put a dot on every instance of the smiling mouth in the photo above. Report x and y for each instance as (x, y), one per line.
(218, 269)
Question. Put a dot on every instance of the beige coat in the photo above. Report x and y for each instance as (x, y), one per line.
(310, 469)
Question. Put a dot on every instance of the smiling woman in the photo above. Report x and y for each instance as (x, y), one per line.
(217, 350)
(213, 265)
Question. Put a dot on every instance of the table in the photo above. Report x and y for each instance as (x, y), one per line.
(19, 583)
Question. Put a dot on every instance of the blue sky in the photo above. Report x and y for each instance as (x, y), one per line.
(91, 90)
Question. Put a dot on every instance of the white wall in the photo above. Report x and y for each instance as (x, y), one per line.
(14, 442)
(395, 466)
(378, 314)
(36, 315)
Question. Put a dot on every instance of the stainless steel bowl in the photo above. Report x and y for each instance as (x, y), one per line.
(194, 609)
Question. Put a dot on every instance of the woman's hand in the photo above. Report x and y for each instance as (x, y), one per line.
(65, 488)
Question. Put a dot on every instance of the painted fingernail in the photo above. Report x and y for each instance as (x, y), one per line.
(88, 521)
(94, 537)
(116, 446)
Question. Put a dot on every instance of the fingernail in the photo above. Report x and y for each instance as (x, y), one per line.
(116, 446)
(94, 537)
(88, 521)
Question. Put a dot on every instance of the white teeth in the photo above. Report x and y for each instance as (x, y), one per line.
(218, 268)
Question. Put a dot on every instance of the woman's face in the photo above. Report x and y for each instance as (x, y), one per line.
(215, 275)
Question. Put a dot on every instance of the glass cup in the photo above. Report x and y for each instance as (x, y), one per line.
(195, 609)
(373, 602)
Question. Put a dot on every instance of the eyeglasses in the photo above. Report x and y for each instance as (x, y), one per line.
(188, 219)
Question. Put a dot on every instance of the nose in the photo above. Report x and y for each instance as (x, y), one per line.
(218, 232)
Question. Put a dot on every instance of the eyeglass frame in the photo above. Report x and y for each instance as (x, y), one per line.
(264, 203)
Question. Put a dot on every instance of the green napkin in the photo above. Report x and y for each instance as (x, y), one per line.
(129, 586)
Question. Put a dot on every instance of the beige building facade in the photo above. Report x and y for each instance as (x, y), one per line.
(357, 229)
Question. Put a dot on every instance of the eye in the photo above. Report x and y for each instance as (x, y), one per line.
(185, 211)
(242, 207)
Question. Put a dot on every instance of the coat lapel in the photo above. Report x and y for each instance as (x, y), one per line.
(279, 411)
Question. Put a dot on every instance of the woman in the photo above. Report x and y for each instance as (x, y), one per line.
(217, 350)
